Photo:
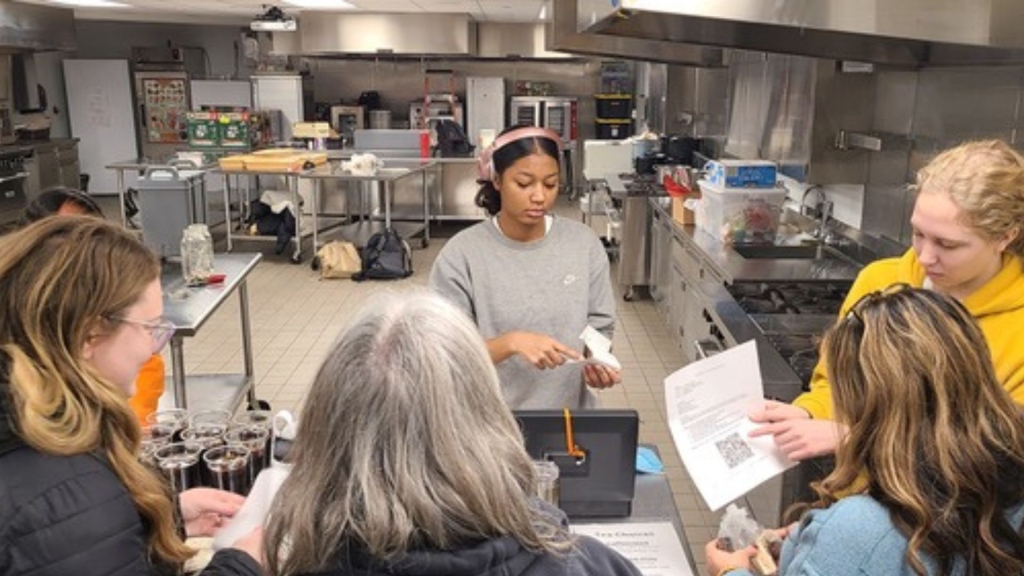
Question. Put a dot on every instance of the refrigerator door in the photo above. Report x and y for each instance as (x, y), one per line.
(99, 106)
(485, 106)
(284, 93)
(163, 102)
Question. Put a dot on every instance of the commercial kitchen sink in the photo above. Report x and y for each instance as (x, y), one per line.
(789, 249)
(776, 252)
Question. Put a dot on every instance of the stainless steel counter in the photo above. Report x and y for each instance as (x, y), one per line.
(189, 308)
(652, 502)
(392, 171)
(719, 266)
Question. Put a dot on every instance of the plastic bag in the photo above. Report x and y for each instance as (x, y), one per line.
(738, 531)
(338, 259)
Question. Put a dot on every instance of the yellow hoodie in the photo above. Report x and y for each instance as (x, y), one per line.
(998, 306)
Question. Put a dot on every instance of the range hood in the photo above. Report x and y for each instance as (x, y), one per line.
(336, 34)
(564, 35)
(32, 28)
(906, 33)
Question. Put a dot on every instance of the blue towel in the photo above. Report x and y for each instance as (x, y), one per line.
(647, 462)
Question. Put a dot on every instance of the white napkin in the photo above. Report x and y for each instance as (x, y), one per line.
(600, 350)
(255, 509)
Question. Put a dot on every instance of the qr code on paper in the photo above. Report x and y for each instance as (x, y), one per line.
(734, 450)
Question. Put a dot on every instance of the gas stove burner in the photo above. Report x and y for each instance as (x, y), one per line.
(788, 298)
(803, 363)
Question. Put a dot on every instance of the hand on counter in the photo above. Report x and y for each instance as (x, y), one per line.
(795, 433)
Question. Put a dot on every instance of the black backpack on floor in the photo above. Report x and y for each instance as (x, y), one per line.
(386, 256)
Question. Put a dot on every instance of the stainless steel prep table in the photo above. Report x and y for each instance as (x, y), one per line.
(291, 179)
(140, 165)
(394, 169)
(189, 308)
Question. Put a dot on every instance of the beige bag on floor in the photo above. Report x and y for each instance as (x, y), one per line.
(338, 259)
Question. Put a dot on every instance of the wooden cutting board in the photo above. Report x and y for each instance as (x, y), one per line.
(273, 160)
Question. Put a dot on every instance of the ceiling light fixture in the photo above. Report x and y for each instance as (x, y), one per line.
(91, 3)
(321, 4)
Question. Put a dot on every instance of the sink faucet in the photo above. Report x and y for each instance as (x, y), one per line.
(822, 211)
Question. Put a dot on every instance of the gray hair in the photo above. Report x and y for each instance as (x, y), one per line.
(405, 442)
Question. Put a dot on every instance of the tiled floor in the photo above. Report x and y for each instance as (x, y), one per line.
(295, 318)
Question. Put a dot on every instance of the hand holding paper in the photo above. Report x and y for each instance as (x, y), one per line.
(708, 402)
(600, 349)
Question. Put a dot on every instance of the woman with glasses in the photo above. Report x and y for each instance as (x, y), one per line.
(934, 453)
(967, 244)
(81, 312)
(61, 201)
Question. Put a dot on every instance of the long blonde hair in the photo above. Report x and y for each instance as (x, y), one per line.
(61, 277)
(985, 179)
(941, 442)
(405, 443)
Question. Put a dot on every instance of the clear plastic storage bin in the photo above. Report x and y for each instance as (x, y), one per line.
(750, 216)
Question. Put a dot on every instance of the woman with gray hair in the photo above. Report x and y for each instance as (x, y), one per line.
(408, 462)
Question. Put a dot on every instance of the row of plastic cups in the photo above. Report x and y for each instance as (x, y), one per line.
(176, 442)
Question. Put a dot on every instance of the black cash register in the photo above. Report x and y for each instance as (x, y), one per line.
(597, 468)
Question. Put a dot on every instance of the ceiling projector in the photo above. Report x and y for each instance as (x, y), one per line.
(273, 20)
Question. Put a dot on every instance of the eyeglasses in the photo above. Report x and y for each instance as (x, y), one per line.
(161, 331)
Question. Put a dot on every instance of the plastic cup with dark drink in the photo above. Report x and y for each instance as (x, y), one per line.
(175, 417)
(207, 436)
(256, 440)
(154, 436)
(214, 417)
(262, 418)
(227, 467)
(179, 461)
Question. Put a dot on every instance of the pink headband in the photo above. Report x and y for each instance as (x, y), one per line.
(485, 163)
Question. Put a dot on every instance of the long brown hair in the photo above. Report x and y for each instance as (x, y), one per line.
(61, 277)
(941, 442)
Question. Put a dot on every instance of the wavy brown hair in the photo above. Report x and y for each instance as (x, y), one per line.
(405, 443)
(940, 441)
(985, 179)
(61, 277)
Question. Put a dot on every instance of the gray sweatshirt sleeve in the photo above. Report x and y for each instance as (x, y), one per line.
(601, 308)
(450, 277)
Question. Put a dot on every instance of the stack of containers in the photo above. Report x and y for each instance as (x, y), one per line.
(741, 202)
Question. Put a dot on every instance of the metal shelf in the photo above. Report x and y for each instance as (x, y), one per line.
(214, 391)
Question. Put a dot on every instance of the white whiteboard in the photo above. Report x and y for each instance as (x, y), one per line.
(102, 117)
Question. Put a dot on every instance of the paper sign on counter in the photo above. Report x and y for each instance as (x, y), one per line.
(708, 402)
(653, 547)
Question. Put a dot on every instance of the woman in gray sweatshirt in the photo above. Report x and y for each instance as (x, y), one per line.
(530, 280)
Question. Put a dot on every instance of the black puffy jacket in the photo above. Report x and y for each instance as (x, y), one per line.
(64, 515)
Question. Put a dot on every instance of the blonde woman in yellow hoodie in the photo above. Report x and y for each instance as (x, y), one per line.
(968, 244)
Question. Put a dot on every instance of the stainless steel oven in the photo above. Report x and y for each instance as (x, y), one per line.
(13, 178)
(559, 114)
